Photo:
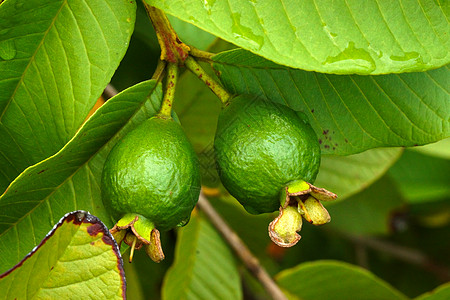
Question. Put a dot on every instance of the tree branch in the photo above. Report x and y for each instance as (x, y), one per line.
(249, 260)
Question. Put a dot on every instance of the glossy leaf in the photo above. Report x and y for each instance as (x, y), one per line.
(341, 37)
(347, 175)
(367, 212)
(422, 178)
(56, 57)
(70, 179)
(349, 113)
(78, 257)
(204, 266)
(440, 293)
(334, 280)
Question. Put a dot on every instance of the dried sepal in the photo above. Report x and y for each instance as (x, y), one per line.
(313, 211)
(154, 249)
(299, 198)
(283, 230)
(322, 194)
(136, 231)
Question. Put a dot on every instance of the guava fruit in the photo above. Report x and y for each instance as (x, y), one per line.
(268, 156)
(150, 183)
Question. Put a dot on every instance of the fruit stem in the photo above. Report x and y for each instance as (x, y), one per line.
(201, 55)
(169, 94)
(215, 87)
(172, 49)
(159, 71)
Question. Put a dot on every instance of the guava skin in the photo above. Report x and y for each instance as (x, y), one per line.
(260, 147)
(152, 172)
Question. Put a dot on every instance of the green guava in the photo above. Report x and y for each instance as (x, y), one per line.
(151, 179)
(260, 147)
(268, 156)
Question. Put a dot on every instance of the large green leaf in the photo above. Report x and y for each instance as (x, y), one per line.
(78, 257)
(342, 37)
(368, 212)
(440, 293)
(69, 180)
(56, 57)
(334, 280)
(204, 266)
(349, 113)
(347, 175)
(422, 178)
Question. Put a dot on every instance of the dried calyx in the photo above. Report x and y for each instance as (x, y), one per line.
(299, 199)
(137, 232)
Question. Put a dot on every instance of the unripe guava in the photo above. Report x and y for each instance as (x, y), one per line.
(260, 148)
(153, 173)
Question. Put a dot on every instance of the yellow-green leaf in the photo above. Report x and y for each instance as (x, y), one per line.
(204, 266)
(78, 258)
(335, 280)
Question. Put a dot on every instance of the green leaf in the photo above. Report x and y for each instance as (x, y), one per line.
(439, 149)
(347, 175)
(204, 267)
(440, 293)
(134, 288)
(70, 180)
(368, 212)
(191, 35)
(56, 57)
(341, 37)
(349, 113)
(334, 280)
(78, 257)
(422, 178)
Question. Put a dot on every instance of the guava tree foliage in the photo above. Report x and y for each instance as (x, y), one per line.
(370, 78)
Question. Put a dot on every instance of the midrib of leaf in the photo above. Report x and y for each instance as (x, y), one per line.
(32, 59)
(86, 164)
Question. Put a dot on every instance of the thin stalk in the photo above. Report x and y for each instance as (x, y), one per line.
(201, 55)
(215, 87)
(249, 260)
(159, 71)
(169, 94)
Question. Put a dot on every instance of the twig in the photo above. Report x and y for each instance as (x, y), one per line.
(249, 260)
(159, 71)
(169, 93)
(201, 55)
(405, 254)
(214, 86)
